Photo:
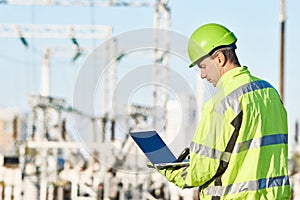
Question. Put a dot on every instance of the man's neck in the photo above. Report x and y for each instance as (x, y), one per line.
(230, 66)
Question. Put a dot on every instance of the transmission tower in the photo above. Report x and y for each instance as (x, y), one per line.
(161, 57)
(161, 21)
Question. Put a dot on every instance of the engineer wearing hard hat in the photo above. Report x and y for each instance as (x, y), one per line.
(240, 148)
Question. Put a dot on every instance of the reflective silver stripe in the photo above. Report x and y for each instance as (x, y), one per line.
(184, 173)
(232, 99)
(239, 147)
(247, 186)
(209, 152)
(260, 142)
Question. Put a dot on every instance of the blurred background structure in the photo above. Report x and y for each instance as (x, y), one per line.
(51, 149)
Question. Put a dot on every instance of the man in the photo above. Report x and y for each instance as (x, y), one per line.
(239, 150)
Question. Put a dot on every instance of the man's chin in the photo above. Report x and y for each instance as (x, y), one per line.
(213, 83)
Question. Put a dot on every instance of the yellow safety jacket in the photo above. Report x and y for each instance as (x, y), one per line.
(240, 148)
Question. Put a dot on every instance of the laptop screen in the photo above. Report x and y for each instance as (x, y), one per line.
(153, 146)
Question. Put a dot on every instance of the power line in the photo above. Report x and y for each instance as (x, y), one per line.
(56, 31)
(100, 3)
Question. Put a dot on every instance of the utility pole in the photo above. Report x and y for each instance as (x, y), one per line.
(45, 74)
(160, 73)
(297, 132)
(282, 29)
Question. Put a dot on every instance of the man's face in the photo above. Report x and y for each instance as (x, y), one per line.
(210, 70)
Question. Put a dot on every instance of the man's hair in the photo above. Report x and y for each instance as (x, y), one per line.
(230, 55)
(228, 52)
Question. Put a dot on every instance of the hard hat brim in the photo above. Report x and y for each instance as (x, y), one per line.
(198, 60)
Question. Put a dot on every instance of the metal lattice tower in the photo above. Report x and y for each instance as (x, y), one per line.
(161, 21)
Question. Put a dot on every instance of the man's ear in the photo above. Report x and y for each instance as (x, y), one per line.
(221, 59)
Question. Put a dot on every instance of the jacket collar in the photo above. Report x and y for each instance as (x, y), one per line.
(225, 80)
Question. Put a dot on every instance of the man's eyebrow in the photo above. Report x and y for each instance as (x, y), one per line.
(201, 66)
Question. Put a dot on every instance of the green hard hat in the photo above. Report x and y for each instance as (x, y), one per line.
(206, 39)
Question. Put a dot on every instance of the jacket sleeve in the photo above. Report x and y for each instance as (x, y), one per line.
(207, 150)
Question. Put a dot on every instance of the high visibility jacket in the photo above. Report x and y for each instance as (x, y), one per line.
(239, 150)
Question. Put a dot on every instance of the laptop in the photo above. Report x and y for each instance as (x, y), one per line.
(156, 150)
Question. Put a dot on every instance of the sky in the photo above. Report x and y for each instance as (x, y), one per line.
(255, 23)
